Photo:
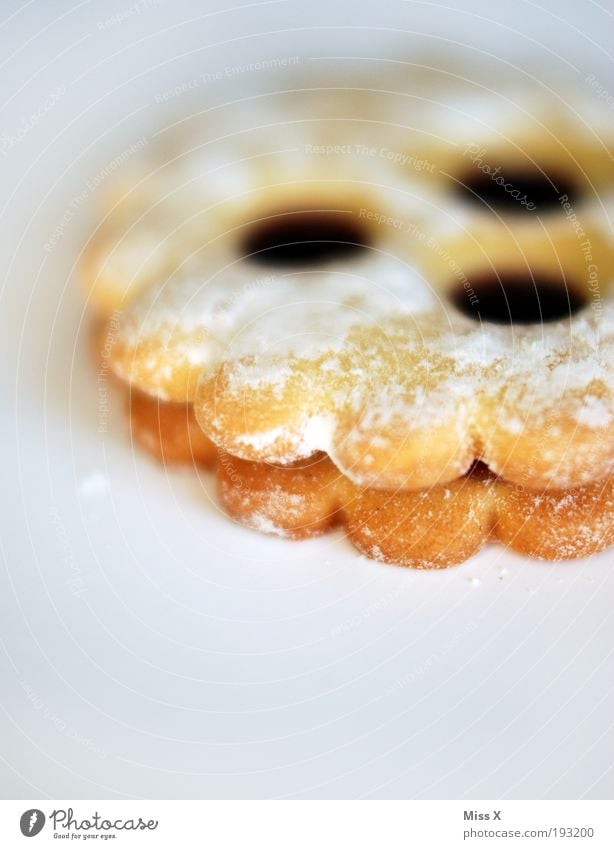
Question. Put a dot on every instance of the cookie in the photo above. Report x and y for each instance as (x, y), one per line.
(169, 432)
(412, 285)
(436, 122)
(431, 528)
(428, 126)
(209, 177)
(394, 378)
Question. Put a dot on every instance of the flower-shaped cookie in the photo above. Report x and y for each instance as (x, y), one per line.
(435, 527)
(316, 297)
(366, 361)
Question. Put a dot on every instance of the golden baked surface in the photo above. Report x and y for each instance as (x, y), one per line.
(414, 284)
(430, 528)
(340, 293)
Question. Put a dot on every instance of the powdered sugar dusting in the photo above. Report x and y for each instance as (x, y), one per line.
(369, 350)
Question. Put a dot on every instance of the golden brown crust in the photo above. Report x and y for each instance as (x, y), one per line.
(434, 527)
(396, 400)
(169, 431)
(385, 364)
(431, 528)
(418, 418)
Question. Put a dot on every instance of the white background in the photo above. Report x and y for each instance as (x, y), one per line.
(149, 647)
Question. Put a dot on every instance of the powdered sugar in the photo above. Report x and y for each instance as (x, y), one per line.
(369, 349)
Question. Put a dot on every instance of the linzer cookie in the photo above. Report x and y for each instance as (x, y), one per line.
(434, 527)
(440, 339)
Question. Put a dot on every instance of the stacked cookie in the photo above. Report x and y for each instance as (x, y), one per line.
(388, 308)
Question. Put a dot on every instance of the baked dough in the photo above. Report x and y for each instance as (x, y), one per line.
(430, 528)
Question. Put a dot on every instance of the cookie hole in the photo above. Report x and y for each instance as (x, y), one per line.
(311, 237)
(517, 190)
(518, 298)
